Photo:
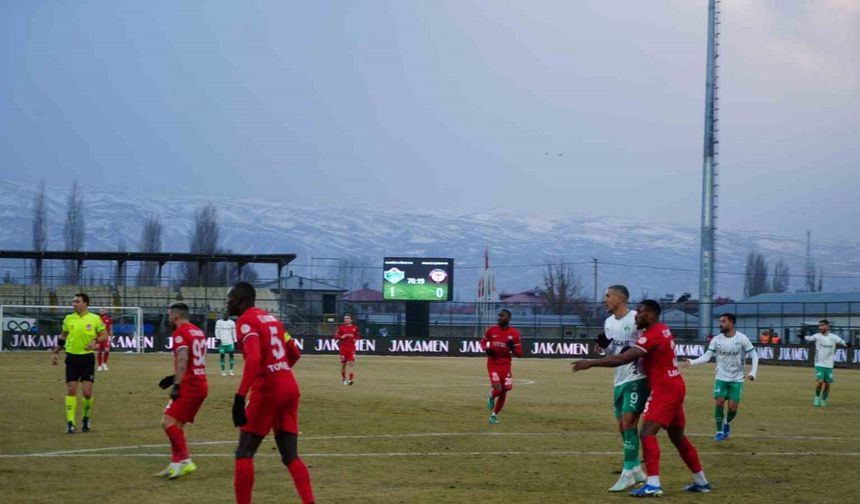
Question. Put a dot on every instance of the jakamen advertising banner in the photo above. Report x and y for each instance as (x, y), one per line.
(801, 355)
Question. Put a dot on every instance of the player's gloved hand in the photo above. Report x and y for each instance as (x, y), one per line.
(603, 341)
(165, 382)
(510, 344)
(174, 392)
(239, 418)
(217, 342)
(490, 352)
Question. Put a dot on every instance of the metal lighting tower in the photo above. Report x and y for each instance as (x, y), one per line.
(709, 176)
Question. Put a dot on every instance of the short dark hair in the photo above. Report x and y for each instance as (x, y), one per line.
(620, 289)
(824, 321)
(347, 314)
(651, 305)
(505, 310)
(84, 297)
(244, 290)
(730, 316)
(179, 307)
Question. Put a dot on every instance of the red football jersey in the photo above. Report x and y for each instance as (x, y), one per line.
(108, 322)
(346, 336)
(496, 338)
(659, 363)
(269, 365)
(191, 337)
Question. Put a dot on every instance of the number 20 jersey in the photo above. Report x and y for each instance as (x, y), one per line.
(274, 371)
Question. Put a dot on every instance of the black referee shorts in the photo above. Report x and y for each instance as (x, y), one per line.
(81, 367)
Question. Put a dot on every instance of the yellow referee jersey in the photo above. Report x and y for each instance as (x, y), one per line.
(81, 329)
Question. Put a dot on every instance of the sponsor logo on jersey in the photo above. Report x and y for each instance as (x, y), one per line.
(245, 328)
(178, 340)
(642, 340)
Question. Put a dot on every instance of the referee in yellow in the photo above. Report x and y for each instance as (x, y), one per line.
(81, 332)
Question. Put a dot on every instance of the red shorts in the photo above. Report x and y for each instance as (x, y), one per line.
(666, 407)
(186, 407)
(104, 346)
(276, 410)
(347, 356)
(500, 374)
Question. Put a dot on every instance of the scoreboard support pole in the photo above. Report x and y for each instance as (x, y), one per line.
(418, 319)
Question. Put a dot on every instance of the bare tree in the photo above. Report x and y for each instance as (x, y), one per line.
(40, 230)
(120, 269)
(780, 278)
(150, 241)
(353, 273)
(204, 241)
(755, 279)
(74, 232)
(228, 273)
(562, 290)
(820, 279)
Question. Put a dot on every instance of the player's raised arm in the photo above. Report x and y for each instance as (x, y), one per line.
(705, 357)
(630, 355)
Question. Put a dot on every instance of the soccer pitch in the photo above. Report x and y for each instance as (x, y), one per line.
(415, 430)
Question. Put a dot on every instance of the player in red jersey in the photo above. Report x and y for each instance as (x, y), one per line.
(346, 336)
(501, 341)
(665, 406)
(274, 401)
(104, 346)
(189, 388)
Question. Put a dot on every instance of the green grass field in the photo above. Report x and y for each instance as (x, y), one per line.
(415, 430)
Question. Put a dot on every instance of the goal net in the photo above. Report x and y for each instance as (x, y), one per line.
(35, 327)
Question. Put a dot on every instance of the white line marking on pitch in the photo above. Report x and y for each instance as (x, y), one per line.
(438, 454)
(97, 451)
(517, 381)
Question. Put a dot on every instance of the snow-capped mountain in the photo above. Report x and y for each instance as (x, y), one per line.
(654, 259)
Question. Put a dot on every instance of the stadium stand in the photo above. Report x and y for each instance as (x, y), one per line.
(267, 300)
(24, 294)
(147, 297)
(205, 298)
(100, 295)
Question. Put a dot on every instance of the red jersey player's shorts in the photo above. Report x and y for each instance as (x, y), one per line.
(500, 374)
(103, 345)
(347, 356)
(666, 406)
(191, 397)
(274, 407)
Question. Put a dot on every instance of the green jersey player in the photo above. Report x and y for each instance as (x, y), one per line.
(630, 384)
(732, 348)
(825, 351)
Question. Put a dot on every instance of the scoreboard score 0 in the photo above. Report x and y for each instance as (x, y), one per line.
(417, 279)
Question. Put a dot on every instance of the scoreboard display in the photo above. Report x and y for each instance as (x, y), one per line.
(417, 279)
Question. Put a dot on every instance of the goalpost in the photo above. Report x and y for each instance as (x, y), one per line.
(36, 327)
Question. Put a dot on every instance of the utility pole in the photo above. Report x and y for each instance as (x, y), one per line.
(707, 256)
(595, 278)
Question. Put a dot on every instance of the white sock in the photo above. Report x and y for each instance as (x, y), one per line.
(699, 478)
(653, 481)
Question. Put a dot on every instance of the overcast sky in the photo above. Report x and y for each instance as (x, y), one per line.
(588, 107)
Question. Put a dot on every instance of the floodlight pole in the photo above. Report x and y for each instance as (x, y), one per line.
(709, 177)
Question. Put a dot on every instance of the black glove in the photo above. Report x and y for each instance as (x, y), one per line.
(490, 352)
(174, 392)
(603, 341)
(239, 418)
(217, 342)
(510, 344)
(165, 382)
